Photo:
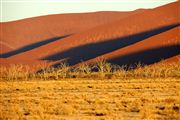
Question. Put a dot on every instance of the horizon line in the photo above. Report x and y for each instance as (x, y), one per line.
(25, 10)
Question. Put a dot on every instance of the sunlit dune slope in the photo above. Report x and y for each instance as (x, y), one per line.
(32, 30)
(4, 48)
(154, 49)
(150, 29)
(147, 24)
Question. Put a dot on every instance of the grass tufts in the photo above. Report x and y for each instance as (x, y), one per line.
(100, 70)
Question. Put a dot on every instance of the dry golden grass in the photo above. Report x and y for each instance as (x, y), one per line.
(100, 70)
(88, 99)
(91, 92)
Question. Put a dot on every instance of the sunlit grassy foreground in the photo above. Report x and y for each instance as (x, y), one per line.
(99, 70)
(89, 99)
(91, 92)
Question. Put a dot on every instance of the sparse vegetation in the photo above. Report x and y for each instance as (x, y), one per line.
(99, 70)
(90, 91)
(83, 99)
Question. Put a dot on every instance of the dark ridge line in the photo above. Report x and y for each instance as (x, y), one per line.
(146, 57)
(31, 46)
(89, 51)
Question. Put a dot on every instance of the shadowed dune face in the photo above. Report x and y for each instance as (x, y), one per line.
(30, 47)
(28, 31)
(89, 51)
(146, 32)
(158, 47)
(173, 59)
(134, 24)
(147, 57)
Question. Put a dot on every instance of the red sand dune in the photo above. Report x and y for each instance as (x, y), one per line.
(27, 31)
(169, 38)
(145, 30)
(5, 48)
(173, 59)
(162, 16)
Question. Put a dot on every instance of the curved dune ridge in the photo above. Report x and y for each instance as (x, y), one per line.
(147, 36)
(5, 47)
(33, 30)
(154, 49)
